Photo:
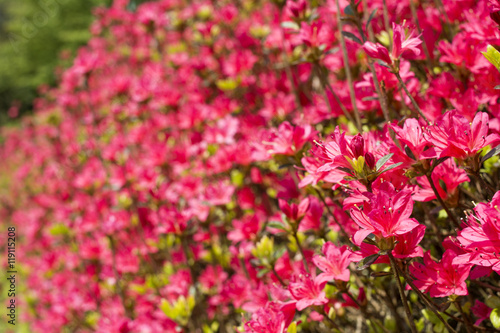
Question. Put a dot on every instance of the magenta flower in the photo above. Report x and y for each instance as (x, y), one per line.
(481, 238)
(287, 139)
(481, 311)
(334, 264)
(269, 319)
(453, 135)
(441, 279)
(350, 155)
(307, 291)
(425, 274)
(377, 51)
(412, 135)
(407, 244)
(387, 214)
(446, 173)
(293, 211)
(316, 34)
(401, 43)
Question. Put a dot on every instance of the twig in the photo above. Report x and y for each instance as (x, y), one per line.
(441, 201)
(306, 266)
(413, 102)
(348, 71)
(395, 271)
(428, 302)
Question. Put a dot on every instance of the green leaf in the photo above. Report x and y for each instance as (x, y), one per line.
(279, 252)
(276, 225)
(493, 56)
(290, 25)
(227, 84)
(493, 301)
(382, 161)
(495, 318)
(366, 262)
(262, 272)
(372, 15)
(495, 151)
(497, 87)
(292, 328)
(409, 153)
(390, 167)
(351, 36)
(382, 63)
(59, 229)
(443, 185)
(348, 10)
(439, 161)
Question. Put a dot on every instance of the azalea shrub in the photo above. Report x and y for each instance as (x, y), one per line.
(265, 166)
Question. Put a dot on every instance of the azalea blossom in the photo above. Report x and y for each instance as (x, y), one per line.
(453, 135)
(308, 291)
(386, 214)
(269, 319)
(334, 264)
(400, 44)
(441, 279)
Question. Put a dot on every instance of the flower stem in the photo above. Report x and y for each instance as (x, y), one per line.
(386, 21)
(277, 276)
(322, 198)
(118, 281)
(468, 325)
(301, 251)
(326, 85)
(424, 44)
(413, 102)
(428, 302)
(441, 201)
(395, 271)
(348, 71)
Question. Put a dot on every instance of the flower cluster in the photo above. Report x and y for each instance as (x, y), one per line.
(264, 166)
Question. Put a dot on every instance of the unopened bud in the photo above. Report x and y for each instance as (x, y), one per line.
(358, 146)
(370, 160)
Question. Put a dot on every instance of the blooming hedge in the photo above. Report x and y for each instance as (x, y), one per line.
(265, 166)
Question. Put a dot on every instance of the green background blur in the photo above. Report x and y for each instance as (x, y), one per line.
(33, 35)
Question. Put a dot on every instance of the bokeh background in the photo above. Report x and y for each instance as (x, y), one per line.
(38, 39)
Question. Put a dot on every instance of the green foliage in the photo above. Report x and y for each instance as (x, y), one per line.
(33, 33)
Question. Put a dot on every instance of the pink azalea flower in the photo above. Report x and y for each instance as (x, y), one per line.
(412, 135)
(312, 218)
(341, 154)
(334, 264)
(401, 43)
(441, 279)
(307, 291)
(269, 319)
(481, 311)
(406, 247)
(453, 135)
(294, 212)
(287, 139)
(316, 34)
(481, 238)
(377, 51)
(447, 173)
(387, 214)
(407, 244)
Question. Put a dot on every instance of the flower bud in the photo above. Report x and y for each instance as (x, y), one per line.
(358, 146)
(370, 160)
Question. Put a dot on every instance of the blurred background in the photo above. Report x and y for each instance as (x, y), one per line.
(38, 38)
